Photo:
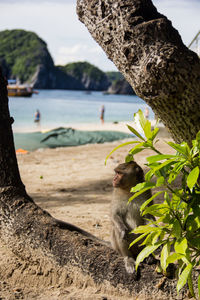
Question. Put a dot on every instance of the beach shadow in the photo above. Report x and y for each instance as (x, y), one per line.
(93, 192)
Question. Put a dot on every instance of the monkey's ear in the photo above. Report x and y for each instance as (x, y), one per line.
(140, 174)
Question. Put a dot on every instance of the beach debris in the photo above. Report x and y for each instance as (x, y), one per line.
(97, 224)
(21, 151)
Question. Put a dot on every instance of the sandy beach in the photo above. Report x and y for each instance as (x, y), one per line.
(73, 184)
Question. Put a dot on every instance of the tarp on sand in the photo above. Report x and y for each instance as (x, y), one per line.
(65, 137)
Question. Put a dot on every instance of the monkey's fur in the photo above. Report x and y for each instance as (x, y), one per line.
(126, 216)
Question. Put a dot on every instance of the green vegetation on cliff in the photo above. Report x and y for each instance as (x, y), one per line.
(21, 52)
(114, 76)
(77, 69)
(89, 75)
(25, 57)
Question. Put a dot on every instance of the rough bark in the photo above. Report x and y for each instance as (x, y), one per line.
(40, 240)
(152, 57)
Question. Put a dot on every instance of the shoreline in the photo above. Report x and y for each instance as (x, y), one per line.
(107, 126)
(79, 134)
(120, 126)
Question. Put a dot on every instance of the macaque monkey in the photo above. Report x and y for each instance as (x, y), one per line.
(126, 216)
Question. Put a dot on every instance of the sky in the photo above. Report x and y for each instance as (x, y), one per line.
(56, 22)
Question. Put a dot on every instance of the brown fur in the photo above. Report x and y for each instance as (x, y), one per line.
(126, 216)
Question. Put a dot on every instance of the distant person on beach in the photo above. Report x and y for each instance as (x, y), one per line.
(146, 112)
(102, 113)
(37, 116)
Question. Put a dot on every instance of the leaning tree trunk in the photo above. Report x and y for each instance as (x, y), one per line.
(152, 57)
(69, 253)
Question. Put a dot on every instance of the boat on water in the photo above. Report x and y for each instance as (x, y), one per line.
(19, 90)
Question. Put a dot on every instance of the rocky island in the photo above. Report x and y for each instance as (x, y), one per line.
(24, 56)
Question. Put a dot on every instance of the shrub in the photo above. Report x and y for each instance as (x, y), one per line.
(176, 231)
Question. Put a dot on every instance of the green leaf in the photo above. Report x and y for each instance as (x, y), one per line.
(147, 129)
(192, 223)
(167, 162)
(156, 210)
(181, 246)
(155, 237)
(149, 175)
(142, 185)
(193, 177)
(154, 133)
(145, 253)
(144, 229)
(182, 148)
(152, 237)
(142, 207)
(160, 181)
(174, 257)
(118, 147)
(176, 230)
(129, 158)
(166, 218)
(134, 131)
(164, 255)
(176, 170)
(137, 239)
(142, 118)
(167, 198)
(136, 149)
(184, 277)
(138, 194)
(154, 158)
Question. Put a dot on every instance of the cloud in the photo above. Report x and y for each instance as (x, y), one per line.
(56, 22)
(78, 50)
(83, 52)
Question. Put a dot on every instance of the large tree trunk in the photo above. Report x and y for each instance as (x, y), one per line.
(152, 57)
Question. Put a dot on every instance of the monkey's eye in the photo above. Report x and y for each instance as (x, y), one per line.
(120, 173)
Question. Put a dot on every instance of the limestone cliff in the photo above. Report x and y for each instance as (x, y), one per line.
(25, 57)
(121, 87)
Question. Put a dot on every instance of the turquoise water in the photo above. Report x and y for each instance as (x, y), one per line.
(63, 108)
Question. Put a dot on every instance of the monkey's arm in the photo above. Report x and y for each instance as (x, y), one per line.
(119, 224)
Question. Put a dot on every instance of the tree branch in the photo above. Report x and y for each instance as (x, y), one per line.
(151, 55)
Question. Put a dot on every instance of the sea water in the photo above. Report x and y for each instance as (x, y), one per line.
(61, 108)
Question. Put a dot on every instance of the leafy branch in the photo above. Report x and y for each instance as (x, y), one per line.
(176, 229)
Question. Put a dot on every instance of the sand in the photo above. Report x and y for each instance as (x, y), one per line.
(74, 185)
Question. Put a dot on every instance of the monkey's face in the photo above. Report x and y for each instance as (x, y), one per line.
(127, 175)
(117, 180)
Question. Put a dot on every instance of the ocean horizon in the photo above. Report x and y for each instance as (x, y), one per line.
(63, 108)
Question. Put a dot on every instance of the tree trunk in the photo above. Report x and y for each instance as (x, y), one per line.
(150, 54)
